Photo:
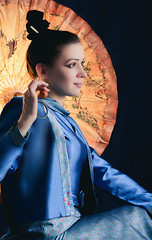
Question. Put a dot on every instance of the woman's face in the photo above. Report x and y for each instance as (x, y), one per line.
(68, 71)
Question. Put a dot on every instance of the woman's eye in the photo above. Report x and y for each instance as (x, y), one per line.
(73, 64)
(83, 64)
(70, 65)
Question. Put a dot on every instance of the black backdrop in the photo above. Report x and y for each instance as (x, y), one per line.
(125, 28)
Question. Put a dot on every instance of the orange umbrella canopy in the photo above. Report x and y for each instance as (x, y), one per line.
(95, 108)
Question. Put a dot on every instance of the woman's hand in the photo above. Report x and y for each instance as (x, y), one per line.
(30, 105)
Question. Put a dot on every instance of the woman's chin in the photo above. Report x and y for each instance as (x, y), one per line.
(74, 94)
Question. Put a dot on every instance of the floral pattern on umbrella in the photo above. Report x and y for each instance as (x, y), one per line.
(95, 108)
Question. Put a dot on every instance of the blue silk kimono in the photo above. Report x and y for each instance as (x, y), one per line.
(29, 170)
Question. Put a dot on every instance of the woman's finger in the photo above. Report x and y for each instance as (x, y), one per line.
(42, 83)
(42, 88)
(34, 81)
(33, 86)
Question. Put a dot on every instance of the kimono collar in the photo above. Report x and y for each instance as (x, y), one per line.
(55, 105)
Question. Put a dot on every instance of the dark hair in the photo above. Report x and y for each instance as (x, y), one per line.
(46, 43)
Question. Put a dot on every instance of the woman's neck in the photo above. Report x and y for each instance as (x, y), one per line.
(58, 98)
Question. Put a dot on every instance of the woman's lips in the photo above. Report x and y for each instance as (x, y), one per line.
(79, 85)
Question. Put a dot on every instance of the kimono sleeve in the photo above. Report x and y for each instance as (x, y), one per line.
(11, 140)
(119, 184)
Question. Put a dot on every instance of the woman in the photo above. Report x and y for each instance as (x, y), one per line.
(40, 145)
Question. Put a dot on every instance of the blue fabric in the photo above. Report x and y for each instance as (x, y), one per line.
(64, 163)
(127, 222)
(31, 192)
(123, 223)
(76, 148)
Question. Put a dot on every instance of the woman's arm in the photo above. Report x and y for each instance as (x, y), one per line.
(15, 121)
(118, 184)
(11, 140)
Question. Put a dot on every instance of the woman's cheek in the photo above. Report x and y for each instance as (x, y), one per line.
(65, 77)
(62, 76)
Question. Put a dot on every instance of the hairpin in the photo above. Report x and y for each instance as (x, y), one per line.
(34, 29)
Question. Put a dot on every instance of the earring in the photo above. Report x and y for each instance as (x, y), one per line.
(46, 110)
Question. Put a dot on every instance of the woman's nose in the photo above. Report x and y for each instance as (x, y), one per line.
(85, 74)
(82, 73)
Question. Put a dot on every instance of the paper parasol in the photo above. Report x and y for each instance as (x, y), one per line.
(95, 108)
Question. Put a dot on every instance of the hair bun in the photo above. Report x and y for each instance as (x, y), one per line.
(35, 24)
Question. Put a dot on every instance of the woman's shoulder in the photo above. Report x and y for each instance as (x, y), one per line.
(12, 105)
(10, 114)
(16, 103)
(13, 109)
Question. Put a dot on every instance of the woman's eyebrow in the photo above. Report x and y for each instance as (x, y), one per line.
(73, 59)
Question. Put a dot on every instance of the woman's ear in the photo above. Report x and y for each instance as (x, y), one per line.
(41, 70)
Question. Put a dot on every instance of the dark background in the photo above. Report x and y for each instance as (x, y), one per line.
(125, 27)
